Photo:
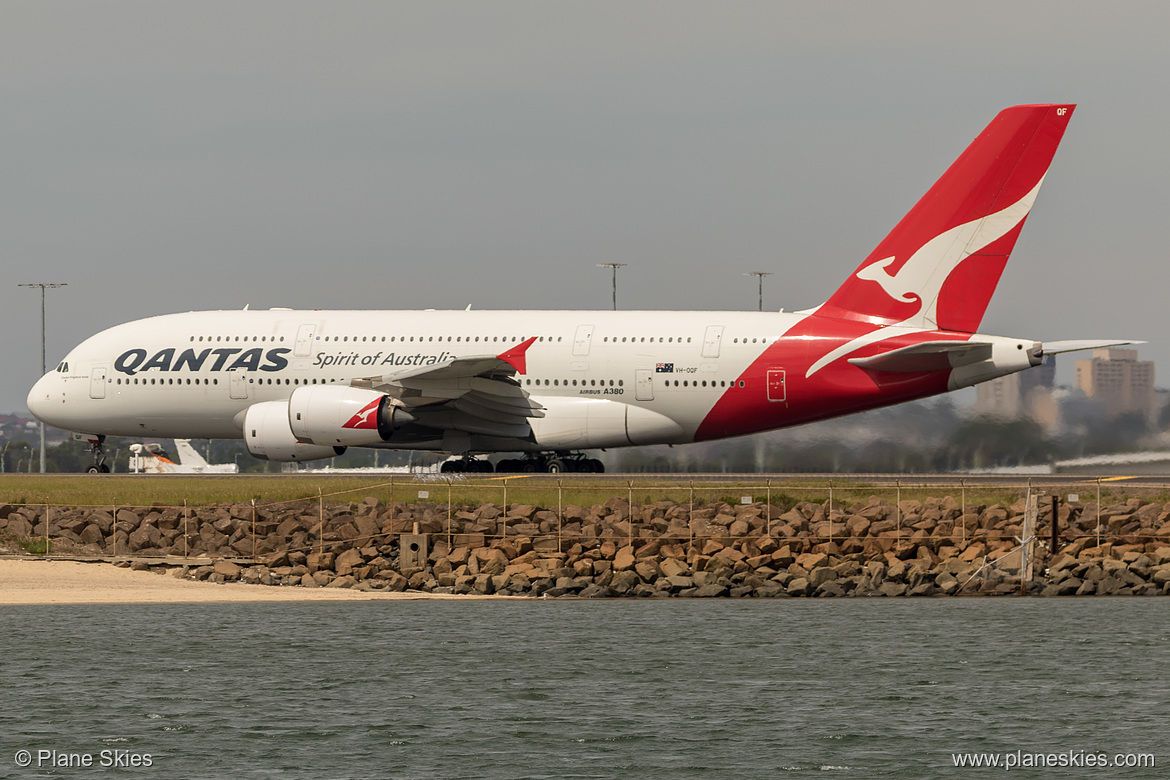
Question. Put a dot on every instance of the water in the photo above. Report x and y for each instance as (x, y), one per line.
(576, 689)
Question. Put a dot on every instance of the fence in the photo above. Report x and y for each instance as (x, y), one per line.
(760, 524)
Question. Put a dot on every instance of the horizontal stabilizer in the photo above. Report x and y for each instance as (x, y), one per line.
(928, 356)
(1058, 347)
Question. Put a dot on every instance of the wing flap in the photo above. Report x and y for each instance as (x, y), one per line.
(494, 413)
(449, 419)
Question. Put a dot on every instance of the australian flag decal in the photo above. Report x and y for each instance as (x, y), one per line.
(664, 368)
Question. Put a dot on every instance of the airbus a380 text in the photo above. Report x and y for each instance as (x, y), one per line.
(302, 385)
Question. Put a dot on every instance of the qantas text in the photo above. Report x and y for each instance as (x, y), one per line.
(134, 361)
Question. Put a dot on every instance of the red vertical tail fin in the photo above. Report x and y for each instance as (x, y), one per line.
(941, 263)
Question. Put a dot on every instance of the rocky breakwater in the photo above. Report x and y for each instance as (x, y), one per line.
(664, 549)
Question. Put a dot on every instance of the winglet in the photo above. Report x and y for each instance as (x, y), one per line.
(516, 357)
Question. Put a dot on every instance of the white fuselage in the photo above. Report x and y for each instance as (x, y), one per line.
(604, 379)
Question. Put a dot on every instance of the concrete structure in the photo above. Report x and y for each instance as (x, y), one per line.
(1118, 379)
(1024, 394)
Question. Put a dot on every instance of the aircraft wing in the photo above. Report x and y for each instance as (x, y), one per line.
(472, 394)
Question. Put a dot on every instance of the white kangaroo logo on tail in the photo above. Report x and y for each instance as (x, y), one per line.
(923, 275)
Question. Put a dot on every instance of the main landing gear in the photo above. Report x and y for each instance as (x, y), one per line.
(552, 463)
(99, 456)
(467, 465)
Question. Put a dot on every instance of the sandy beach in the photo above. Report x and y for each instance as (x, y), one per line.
(31, 581)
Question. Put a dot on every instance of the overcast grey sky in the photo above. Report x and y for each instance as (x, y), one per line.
(164, 157)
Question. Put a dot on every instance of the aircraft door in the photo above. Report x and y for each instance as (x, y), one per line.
(777, 390)
(712, 340)
(583, 340)
(238, 383)
(97, 382)
(304, 343)
(644, 384)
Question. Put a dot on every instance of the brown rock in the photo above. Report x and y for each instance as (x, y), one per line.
(783, 558)
(739, 528)
(648, 570)
(393, 580)
(92, 534)
(624, 559)
(368, 529)
(799, 586)
(348, 560)
(810, 561)
(821, 575)
(227, 569)
(491, 560)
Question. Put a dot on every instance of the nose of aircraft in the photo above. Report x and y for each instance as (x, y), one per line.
(40, 398)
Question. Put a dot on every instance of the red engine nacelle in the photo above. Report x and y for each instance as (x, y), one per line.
(333, 415)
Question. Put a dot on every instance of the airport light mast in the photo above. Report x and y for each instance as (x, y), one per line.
(43, 286)
(614, 266)
(761, 275)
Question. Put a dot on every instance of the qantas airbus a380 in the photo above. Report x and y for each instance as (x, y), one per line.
(300, 385)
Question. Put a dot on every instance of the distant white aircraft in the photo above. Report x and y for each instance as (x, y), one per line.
(151, 458)
(303, 385)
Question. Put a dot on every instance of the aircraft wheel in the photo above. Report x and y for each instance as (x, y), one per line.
(93, 470)
(449, 467)
(557, 466)
(528, 466)
(596, 466)
(104, 469)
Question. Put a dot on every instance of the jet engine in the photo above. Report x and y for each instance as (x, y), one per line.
(336, 415)
(268, 436)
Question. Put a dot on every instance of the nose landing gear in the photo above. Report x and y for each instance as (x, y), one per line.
(99, 454)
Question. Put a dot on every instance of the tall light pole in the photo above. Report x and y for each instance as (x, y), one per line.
(43, 286)
(761, 275)
(614, 266)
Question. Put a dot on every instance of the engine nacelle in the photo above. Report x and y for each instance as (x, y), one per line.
(336, 415)
(268, 436)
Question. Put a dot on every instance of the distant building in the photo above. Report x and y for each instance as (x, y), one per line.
(1118, 379)
(1022, 394)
